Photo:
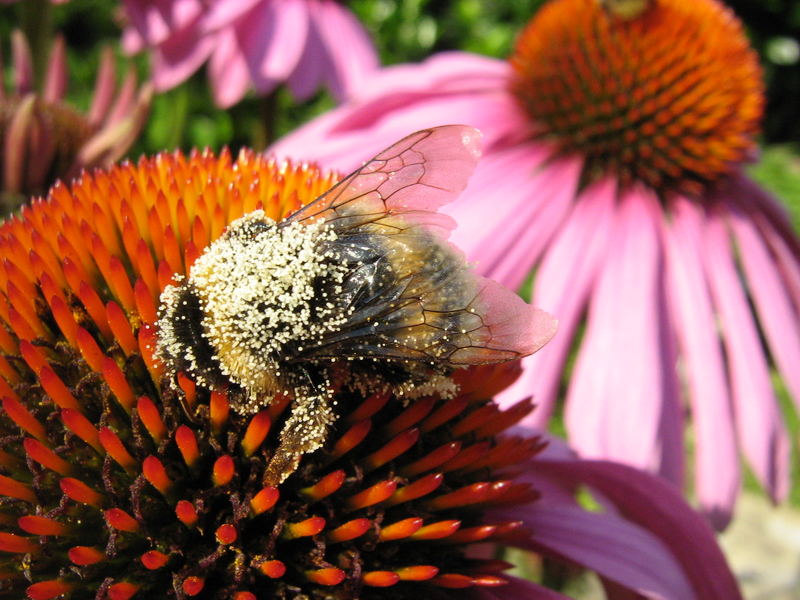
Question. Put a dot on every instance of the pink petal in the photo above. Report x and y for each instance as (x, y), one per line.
(563, 280)
(272, 37)
(180, 56)
(776, 314)
(624, 376)
(23, 63)
(608, 545)
(155, 21)
(717, 478)
(228, 71)
(656, 506)
(223, 13)
(56, 78)
(311, 67)
(350, 51)
(103, 88)
(758, 419)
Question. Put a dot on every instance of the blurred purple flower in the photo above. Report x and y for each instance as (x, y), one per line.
(263, 43)
(612, 167)
(45, 139)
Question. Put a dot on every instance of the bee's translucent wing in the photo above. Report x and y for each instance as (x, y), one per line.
(409, 296)
(412, 178)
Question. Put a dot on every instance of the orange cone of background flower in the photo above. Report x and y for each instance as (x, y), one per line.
(615, 137)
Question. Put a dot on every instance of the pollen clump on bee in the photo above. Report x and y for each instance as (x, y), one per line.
(256, 291)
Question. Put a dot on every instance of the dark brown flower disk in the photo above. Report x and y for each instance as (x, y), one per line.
(119, 483)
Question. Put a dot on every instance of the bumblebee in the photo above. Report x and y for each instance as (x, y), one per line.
(358, 288)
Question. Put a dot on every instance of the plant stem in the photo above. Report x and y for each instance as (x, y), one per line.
(37, 24)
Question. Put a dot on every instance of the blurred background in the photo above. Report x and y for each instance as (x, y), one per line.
(403, 30)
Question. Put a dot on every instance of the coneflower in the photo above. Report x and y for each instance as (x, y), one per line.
(616, 135)
(120, 482)
(44, 138)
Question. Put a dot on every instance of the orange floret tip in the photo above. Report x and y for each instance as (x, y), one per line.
(432, 460)
(226, 533)
(56, 389)
(401, 529)
(192, 586)
(17, 544)
(350, 530)
(397, 446)
(380, 578)
(437, 531)
(46, 457)
(82, 427)
(308, 527)
(351, 438)
(153, 560)
(39, 525)
(416, 411)
(417, 489)
(273, 568)
(23, 418)
(186, 513)
(154, 472)
(187, 444)
(80, 492)
(325, 486)
(326, 577)
(264, 500)
(417, 573)
(47, 590)
(375, 494)
(224, 470)
(256, 432)
(220, 410)
(120, 520)
(86, 555)
(151, 418)
(471, 494)
(122, 591)
(116, 449)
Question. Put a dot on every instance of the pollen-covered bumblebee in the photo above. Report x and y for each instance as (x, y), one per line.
(357, 288)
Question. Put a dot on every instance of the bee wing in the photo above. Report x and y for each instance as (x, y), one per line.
(412, 178)
(446, 316)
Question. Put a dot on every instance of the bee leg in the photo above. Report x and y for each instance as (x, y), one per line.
(305, 431)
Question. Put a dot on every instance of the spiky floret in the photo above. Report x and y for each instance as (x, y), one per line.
(118, 481)
(665, 92)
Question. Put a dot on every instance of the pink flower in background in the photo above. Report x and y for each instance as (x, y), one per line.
(44, 138)
(258, 43)
(613, 145)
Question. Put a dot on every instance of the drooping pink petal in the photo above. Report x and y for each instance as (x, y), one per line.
(55, 82)
(608, 545)
(505, 250)
(351, 61)
(22, 63)
(228, 71)
(760, 427)
(564, 278)
(271, 37)
(219, 15)
(179, 56)
(717, 478)
(103, 88)
(622, 360)
(776, 314)
(157, 20)
(658, 508)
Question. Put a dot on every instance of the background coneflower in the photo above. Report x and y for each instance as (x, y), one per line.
(118, 482)
(614, 145)
(303, 43)
(44, 138)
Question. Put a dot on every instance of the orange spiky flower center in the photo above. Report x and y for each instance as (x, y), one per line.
(664, 92)
(117, 481)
